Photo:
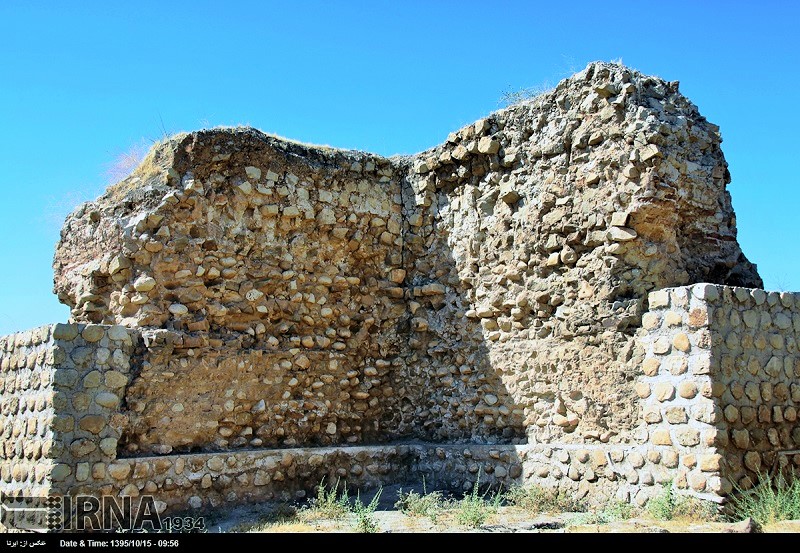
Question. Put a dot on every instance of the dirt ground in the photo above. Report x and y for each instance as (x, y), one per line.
(507, 519)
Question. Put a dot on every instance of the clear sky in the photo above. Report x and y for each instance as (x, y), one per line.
(83, 82)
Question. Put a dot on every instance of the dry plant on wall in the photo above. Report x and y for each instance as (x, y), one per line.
(124, 163)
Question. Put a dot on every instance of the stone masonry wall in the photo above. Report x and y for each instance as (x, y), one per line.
(26, 412)
(198, 481)
(718, 394)
(510, 290)
(720, 385)
(206, 398)
(92, 367)
(61, 388)
(276, 270)
(758, 362)
(487, 290)
(545, 225)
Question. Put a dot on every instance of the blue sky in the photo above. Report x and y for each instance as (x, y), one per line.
(83, 82)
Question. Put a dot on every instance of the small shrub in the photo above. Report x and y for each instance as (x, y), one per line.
(618, 510)
(421, 505)
(771, 500)
(511, 97)
(327, 504)
(536, 499)
(669, 506)
(475, 508)
(693, 509)
(365, 521)
(586, 518)
(662, 506)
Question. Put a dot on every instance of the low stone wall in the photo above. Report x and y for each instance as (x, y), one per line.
(194, 482)
(185, 482)
(190, 482)
(598, 473)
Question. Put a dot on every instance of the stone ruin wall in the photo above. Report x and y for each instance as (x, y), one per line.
(487, 291)
(273, 296)
(548, 223)
(718, 392)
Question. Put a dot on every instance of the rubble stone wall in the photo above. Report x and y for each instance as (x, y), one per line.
(93, 365)
(198, 481)
(547, 224)
(717, 401)
(61, 404)
(487, 290)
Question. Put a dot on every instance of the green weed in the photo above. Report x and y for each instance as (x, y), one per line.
(328, 503)
(535, 499)
(669, 506)
(475, 508)
(771, 500)
(613, 511)
(364, 520)
(421, 505)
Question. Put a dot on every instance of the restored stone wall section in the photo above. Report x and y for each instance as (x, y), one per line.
(677, 387)
(61, 405)
(600, 472)
(92, 368)
(720, 385)
(756, 362)
(26, 412)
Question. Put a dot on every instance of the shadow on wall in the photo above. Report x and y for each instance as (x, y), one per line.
(319, 308)
(455, 390)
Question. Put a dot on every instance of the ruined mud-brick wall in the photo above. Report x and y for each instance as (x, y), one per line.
(488, 290)
(720, 383)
